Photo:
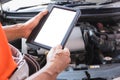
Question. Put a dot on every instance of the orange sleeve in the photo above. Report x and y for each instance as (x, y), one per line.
(7, 64)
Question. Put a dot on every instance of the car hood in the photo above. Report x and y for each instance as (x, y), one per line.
(17, 5)
(38, 5)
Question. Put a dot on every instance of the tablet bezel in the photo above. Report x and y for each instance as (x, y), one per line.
(30, 41)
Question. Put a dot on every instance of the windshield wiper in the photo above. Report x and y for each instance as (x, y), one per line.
(109, 1)
(30, 6)
(74, 3)
(80, 4)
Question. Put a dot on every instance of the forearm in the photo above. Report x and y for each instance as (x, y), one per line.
(23, 30)
(14, 32)
(47, 73)
(57, 60)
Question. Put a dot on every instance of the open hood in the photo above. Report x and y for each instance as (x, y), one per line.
(37, 5)
(16, 5)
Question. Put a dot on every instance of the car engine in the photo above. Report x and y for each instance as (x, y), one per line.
(97, 56)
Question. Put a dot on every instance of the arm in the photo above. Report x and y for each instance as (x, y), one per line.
(14, 32)
(23, 30)
(57, 60)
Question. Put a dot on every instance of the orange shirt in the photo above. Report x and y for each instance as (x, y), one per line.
(7, 64)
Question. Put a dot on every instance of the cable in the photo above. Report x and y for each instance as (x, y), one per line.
(103, 45)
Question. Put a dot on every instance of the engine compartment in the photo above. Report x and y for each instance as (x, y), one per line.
(101, 58)
(100, 28)
(101, 41)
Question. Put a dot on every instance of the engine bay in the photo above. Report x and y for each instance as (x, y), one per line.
(98, 54)
(101, 57)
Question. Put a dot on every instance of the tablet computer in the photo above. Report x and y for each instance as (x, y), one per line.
(54, 28)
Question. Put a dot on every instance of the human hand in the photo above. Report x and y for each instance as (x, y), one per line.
(58, 59)
(32, 23)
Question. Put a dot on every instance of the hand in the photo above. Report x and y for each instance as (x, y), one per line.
(32, 23)
(58, 59)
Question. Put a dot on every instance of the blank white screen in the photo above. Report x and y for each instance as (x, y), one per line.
(55, 27)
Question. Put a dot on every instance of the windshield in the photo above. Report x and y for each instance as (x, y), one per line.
(18, 5)
(14, 5)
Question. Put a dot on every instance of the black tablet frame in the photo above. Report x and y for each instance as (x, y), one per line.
(30, 41)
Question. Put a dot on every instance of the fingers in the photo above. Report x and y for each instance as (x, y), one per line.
(58, 50)
(29, 25)
(41, 14)
(59, 56)
(58, 47)
(35, 20)
(67, 52)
